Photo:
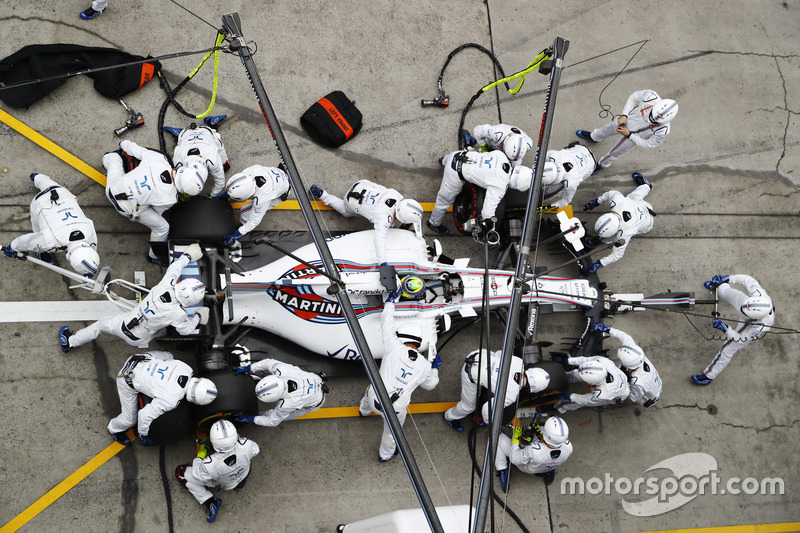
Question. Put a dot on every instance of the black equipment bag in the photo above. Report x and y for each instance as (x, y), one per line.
(332, 120)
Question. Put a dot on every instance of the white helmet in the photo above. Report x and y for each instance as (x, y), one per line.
(551, 173)
(515, 147)
(630, 356)
(84, 259)
(190, 291)
(201, 391)
(410, 333)
(663, 111)
(270, 389)
(592, 373)
(555, 432)
(223, 436)
(757, 307)
(538, 379)
(408, 211)
(608, 225)
(521, 178)
(190, 178)
(241, 187)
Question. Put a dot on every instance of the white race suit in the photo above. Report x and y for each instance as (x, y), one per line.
(159, 309)
(157, 375)
(489, 170)
(403, 369)
(747, 330)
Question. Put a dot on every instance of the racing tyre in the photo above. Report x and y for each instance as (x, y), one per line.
(468, 205)
(170, 426)
(207, 220)
(235, 394)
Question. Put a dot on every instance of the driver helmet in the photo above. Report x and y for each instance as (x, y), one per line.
(412, 287)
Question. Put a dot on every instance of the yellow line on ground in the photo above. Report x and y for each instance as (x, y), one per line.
(52, 147)
(785, 527)
(62, 488)
(319, 206)
(347, 412)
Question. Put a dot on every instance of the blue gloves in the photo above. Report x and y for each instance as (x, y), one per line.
(599, 326)
(242, 369)
(720, 325)
(9, 251)
(563, 397)
(244, 419)
(222, 196)
(559, 358)
(393, 296)
(720, 279)
(437, 361)
(469, 140)
(144, 440)
(591, 204)
(33, 175)
(230, 239)
(595, 267)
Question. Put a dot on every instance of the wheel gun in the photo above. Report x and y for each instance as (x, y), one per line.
(134, 120)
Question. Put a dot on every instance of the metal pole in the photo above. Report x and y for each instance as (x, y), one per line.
(232, 25)
(560, 47)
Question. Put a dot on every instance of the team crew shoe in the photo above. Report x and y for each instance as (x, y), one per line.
(155, 260)
(315, 191)
(213, 508)
(455, 425)
(701, 379)
(173, 131)
(213, 122)
(382, 460)
(441, 229)
(597, 169)
(503, 478)
(89, 14)
(585, 135)
(122, 438)
(641, 180)
(63, 338)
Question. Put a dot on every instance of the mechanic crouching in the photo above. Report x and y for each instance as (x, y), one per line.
(296, 391)
(164, 379)
(607, 383)
(227, 468)
(165, 305)
(534, 450)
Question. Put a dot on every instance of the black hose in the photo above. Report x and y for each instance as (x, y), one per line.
(476, 467)
(165, 482)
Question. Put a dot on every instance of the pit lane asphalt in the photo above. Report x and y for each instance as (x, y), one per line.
(725, 188)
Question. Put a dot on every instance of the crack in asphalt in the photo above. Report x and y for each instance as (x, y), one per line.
(130, 465)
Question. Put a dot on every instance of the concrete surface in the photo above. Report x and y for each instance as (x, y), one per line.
(725, 187)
